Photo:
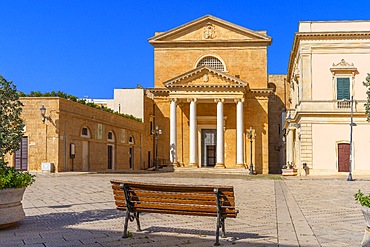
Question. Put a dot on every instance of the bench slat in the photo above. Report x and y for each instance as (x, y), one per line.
(200, 197)
(170, 187)
(144, 207)
(173, 200)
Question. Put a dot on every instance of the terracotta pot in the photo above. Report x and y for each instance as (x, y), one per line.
(11, 209)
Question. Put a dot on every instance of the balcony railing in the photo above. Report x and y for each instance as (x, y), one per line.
(330, 106)
(344, 104)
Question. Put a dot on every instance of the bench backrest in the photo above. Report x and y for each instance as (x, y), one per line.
(174, 198)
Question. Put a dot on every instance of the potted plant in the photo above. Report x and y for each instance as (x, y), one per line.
(289, 169)
(12, 182)
(12, 186)
(364, 200)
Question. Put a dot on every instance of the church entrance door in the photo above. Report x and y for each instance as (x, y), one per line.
(209, 140)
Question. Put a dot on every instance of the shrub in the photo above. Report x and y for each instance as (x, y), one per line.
(362, 199)
(11, 178)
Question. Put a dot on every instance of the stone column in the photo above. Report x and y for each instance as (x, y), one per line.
(193, 159)
(239, 133)
(173, 131)
(289, 146)
(220, 134)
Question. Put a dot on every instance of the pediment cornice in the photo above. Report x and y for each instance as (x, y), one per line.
(186, 80)
(208, 23)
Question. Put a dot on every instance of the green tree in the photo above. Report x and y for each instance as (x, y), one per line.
(11, 124)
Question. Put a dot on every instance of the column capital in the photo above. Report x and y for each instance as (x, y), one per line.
(239, 100)
(219, 100)
(191, 100)
(172, 100)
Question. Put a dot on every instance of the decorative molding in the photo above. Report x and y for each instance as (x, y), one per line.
(343, 67)
(298, 37)
(219, 100)
(239, 100)
(209, 31)
(204, 69)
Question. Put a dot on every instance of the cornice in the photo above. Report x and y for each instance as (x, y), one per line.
(299, 36)
(158, 91)
(258, 36)
(173, 83)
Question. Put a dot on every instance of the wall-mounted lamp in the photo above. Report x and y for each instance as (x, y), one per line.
(43, 112)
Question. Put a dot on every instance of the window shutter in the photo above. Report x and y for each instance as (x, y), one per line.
(343, 89)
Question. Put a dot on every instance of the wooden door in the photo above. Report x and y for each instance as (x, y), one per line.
(343, 157)
(21, 155)
(131, 158)
(110, 156)
(211, 155)
(85, 156)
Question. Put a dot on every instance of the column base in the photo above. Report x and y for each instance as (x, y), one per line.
(192, 165)
(240, 166)
(220, 165)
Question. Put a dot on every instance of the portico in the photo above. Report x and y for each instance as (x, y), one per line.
(210, 92)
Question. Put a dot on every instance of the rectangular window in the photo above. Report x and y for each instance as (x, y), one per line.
(343, 88)
(100, 131)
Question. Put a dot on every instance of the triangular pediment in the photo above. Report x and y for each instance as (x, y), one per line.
(205, 77)
(209, 29)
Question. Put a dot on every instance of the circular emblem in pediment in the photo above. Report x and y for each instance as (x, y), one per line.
(209, 31)
(205, 78)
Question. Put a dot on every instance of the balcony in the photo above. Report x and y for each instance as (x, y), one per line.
(333, 106)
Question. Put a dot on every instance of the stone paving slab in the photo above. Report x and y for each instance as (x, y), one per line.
(77, 209)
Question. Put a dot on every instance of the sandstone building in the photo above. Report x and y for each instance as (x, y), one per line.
(211, 94)
(76, 137)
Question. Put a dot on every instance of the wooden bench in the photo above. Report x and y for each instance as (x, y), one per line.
(213, 201)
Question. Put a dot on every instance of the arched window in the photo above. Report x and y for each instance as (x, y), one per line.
(110, 136)
(212, 62)
(85, 132)
(131, 140)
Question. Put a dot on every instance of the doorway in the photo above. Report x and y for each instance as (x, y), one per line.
(343, 157)
(110, 157)
(131, 158)
(209, 153)
(85, 156)
(21, 155)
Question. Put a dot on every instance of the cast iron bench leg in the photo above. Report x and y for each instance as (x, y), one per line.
(223, 227)
(126, 224)
(218, 224)
(137, 221)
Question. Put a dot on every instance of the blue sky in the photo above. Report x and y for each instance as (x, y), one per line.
(90, 47)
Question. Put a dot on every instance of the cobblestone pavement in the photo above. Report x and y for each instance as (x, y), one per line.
(77, 209)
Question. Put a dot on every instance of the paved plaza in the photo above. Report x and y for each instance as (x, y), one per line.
(77, 209)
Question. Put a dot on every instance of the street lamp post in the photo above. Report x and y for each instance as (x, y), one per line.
(251, 135)
(350, 144)
(157, 133)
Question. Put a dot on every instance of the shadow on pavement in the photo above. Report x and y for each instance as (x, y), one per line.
(104, 228)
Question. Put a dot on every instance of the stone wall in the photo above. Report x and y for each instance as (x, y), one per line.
(50, 141)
